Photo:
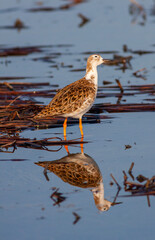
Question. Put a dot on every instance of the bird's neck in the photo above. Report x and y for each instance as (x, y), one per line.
(91, 74)
(98, 194)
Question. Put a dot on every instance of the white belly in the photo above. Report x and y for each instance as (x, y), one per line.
(81, 111)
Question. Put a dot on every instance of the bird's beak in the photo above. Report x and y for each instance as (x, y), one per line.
(106, 61)
(115, 203)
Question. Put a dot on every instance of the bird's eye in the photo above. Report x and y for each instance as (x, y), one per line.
(95, 56)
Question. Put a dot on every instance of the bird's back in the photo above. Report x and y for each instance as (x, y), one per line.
(77, 169)
(70, 99)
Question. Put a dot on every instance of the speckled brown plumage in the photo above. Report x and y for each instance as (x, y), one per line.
(71, 100)
(77, 169)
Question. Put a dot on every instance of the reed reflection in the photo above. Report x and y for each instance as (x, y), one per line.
(80, 170)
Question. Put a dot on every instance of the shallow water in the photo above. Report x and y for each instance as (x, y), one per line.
(27, 211)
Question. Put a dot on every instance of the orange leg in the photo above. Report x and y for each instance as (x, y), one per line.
(82, 145)
(65, 126)
(80, 126)
(66, 147)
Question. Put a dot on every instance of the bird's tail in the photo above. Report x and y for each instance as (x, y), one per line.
(45, 113)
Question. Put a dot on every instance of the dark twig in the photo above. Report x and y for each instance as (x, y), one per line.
(119, 84)
(119, 187)
(130, 170)
(84, 20)
(148, 201)
(57, 197)
(77, 217)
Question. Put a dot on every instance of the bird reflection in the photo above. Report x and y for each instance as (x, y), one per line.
(80, 170)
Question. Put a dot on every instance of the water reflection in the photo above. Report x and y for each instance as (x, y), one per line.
(82, 171)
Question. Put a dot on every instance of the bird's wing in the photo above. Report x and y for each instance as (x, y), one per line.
(70, 98)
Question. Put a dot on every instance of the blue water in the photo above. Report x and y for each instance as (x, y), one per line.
(26, 209)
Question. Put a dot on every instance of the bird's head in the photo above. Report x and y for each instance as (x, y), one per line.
(95, 60)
